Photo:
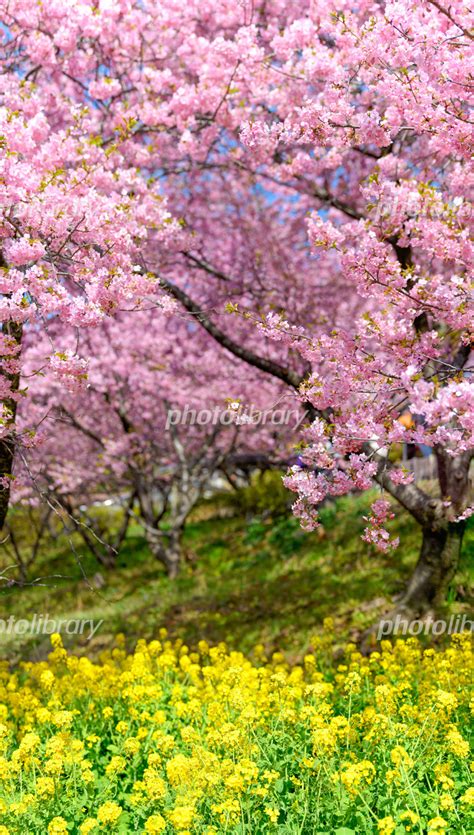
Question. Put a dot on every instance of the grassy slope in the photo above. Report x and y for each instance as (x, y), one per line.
(246, 581)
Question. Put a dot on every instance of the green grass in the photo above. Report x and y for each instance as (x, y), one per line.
(247, 580)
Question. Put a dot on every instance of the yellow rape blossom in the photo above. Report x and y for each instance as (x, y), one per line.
(155, 824)
(109, 812)
(173, 739)
(58, 826)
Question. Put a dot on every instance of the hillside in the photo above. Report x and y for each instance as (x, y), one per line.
(248, 578)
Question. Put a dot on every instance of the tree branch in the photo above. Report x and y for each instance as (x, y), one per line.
(419, 504)
(291, 378)
(204, 265)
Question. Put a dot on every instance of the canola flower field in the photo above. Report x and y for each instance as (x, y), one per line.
(171, 740)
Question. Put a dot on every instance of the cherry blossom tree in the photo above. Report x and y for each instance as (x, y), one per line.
(316, 161)
(160, 416)
(75, 211)
(359, 118)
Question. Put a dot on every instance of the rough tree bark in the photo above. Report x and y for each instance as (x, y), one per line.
(442, 539)
(435, 569)
(14, 331)
(166, 548)
(442, 535)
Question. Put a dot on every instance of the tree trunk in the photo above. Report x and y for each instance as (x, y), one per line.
(442, 535)
(441, 539)
(165, 547)
(173, 553)
(7, 451)
(13, 330)
(436, 567)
